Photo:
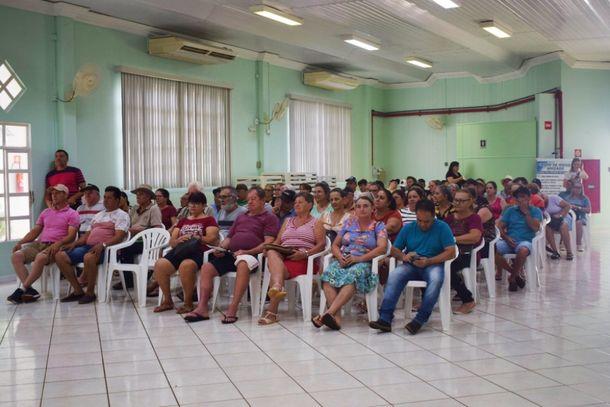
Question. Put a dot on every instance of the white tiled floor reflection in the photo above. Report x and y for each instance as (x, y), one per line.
(549, 348)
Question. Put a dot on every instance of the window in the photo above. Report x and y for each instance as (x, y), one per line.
(11, 87)
(15, 199)
(174, 132)
(320, 138)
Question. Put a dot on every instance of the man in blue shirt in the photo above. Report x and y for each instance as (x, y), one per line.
(423, 247)
(518, 226)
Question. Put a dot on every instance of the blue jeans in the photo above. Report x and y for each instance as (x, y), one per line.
(398, 279)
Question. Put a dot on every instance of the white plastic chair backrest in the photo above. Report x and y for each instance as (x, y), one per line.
(153, 238)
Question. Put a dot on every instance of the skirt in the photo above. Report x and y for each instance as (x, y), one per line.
(359, 274)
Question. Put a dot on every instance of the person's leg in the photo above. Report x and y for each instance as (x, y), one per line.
(64, 263)
(345, 294)
(91, 261)
(564, 230)
(18, 260)
(188, 279)
(41, 260)
(502, 248)
(457, 280)
(434, 277)
(163, 272)
(550, 238)
(206, 285)
(242, 280)
(522, 253)
(397, 280)
(579, 230)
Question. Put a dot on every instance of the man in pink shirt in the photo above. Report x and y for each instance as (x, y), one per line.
(108, 227)
(56, 226)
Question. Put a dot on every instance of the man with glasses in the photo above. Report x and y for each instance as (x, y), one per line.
(229, 210)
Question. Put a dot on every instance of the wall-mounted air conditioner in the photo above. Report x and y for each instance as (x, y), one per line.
(329, 80)
(189, 51)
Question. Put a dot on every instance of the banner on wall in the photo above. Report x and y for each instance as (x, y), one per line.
(551, 172)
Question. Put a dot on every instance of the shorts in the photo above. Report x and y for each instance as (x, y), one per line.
(77, 255)
(225, 264)
(503, 248)
(176, 260)
(298, 267)
(31, 250)
(556, 223)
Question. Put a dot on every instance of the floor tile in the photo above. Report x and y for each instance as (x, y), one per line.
(349, 398)
(74, 388)
(466, 386)
(438, 371)
(278, 386)
(514, 381)
(408, 392)
(292, 400)
(136, 382)
(572, 375)
(94, 400)
(389, 375)
(143, 398)
(60, 374)
(206, 393)
(496, 400)
(331, 381)
(490, 366)
(562, 396)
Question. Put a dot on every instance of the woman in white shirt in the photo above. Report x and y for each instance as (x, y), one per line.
(576, 175)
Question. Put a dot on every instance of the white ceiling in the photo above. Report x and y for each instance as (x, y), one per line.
(450, 38)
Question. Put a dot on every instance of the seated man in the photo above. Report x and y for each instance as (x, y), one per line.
(108, 227)
(423, 246)
(71, 177)
(250, 232)
(89, 208)
(242, 194)
(184, 209)
(518, 226)
(229, 210)
(285, 209)
(56, 226)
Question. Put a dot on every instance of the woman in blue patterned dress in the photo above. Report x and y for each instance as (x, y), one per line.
(360, 240)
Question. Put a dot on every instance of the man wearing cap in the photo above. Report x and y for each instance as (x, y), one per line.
(145, 215)
(506, 183)
(89, 208)
(108, 228)
(351, 183)
(64, 174)
(56, 226)
(286, 207)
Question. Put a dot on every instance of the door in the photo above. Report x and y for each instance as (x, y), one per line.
(592, 186)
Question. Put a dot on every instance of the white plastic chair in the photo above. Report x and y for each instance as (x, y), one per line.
(304, 282)
(254, 286)
(531, 268)
(153, 242)
(370, 297)
(444, 298)
(470, 273)
(489, 266)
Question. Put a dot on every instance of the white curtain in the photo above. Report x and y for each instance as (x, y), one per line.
(174, 132)
(320, 138)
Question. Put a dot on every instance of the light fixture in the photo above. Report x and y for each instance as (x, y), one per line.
(446, 3)
(276, 15)
(422, 63)
(361, 42)
(496, 29)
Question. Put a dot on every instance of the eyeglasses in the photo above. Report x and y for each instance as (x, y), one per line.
(460, 201)
(224, 196)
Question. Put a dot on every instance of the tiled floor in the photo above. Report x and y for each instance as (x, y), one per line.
(550, 348)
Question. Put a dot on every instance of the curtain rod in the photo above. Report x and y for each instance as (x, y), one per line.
(171, 77)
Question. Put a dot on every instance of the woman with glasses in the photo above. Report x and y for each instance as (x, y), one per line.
(168, 211)
(467, 228)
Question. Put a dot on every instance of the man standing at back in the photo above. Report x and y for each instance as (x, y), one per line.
(423, 247)
(71, 177)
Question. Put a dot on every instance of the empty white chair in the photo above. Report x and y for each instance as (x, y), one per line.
(444, 298)
(304, 282)
(254, 286)
(470, 273)
(154, 240)
(489, 266)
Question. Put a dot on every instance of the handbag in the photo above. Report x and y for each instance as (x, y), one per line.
(283, 250)
(187, 249)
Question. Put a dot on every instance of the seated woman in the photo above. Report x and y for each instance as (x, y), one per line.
(496, 202)
(189, 240)
(488, 223)
(333, 222)
(303, 233)
(442, 198)
(453, 175)
(468, 230)
(581, 206)
(400, 198)
(358, 243)
(321, 193)
(407, 213)
(558, 210)
(385, 211)
(168, 211)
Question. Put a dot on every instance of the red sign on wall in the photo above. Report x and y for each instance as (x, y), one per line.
(548, 125)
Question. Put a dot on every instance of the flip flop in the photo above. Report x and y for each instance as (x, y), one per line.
(268, 319)
(229, 319)
(316, 322)
(330, 322)
(164, 307)
(278, 293)
(194, 317)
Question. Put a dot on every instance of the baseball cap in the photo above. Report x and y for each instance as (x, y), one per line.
(510, 177)
(61, 188)
(91, 187)
(288, 195)
(351, 179)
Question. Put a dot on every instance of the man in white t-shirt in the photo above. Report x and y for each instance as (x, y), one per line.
(89, 208)
(108, 227)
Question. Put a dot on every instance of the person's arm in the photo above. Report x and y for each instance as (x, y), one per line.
(565, 208)
(532, 223)
(485, 214)
(211, 235)
(258, 249)
(175, 240)
(472, 237)
(447, 254)
(381, 248)
(583, 174)
(29, 237)
(55, 247)
(393, 226)
(119, 236)
(320, 236)
(502, 202)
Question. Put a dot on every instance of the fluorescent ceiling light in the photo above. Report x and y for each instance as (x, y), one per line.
(446, 3)
(276, 15)
(496, 29)
(361, 43)
(422, 63)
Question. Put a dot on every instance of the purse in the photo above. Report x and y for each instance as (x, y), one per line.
(283, 250)
(187, 250)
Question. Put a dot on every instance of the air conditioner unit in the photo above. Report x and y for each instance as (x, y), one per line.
(189, 51)
(330, 81)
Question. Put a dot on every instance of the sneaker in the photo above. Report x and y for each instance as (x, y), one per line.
(86, 299)
(413, 327)
(30, 295)
(381, 325)
(520, 282)
(512, 286)
(15, 297)
(580, 248)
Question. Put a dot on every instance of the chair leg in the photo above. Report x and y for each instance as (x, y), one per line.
(305, 287)
(215, 293)
(55, 275)
(140, 280)
(255, 293)
(101, 283)
(322, 300)
(265, 289)
(371, 305)
(490, 277)
(444, 303)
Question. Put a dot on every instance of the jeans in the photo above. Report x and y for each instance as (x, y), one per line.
(398, 279)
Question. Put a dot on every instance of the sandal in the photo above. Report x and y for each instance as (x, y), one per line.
(330, 322)
(195, 317)
(268, 319)
(276, 293)
(317, 321)
(555, 256)
(569, 256)
(184, 309)
(229, 319)
(164, 307)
